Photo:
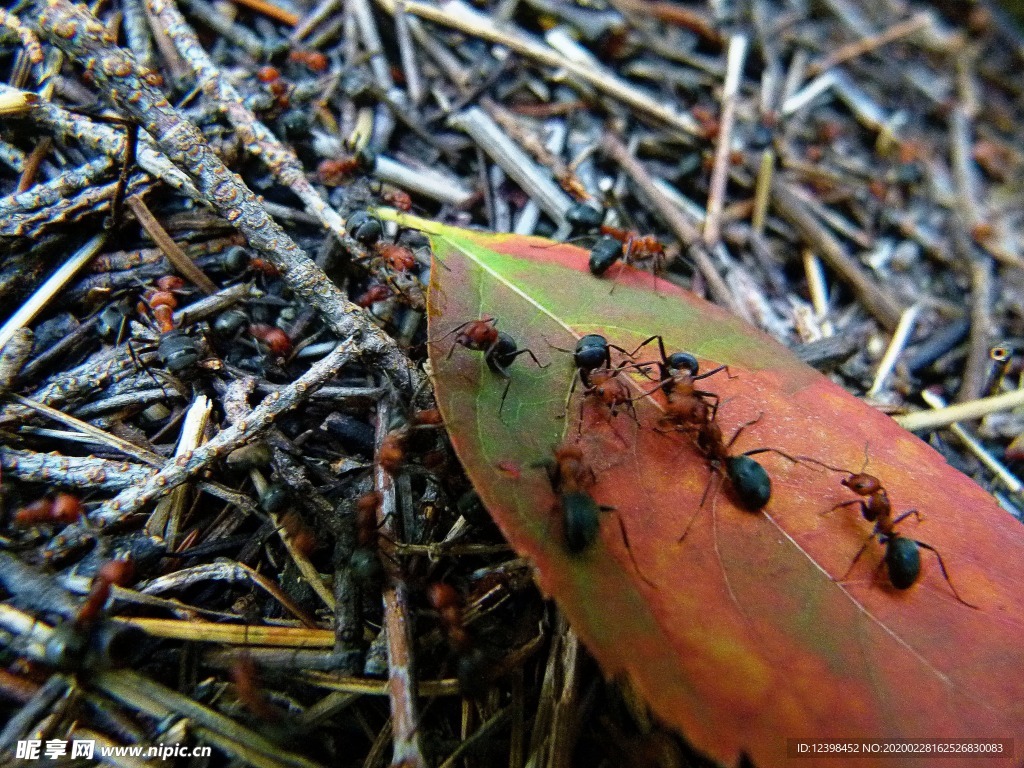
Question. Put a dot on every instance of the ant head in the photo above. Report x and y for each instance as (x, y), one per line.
(862, 484)
(591, 352)
(683, 361)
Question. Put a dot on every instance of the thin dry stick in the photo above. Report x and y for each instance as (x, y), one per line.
(720, 172)
(126, 84)
(460, 16)
(677, 221)
(874, 42)
(999, 469)
(398, 622)
(975, 367)
(178, 258)
(27, 312)
(878, 301)
(923, 421)
(233, 634)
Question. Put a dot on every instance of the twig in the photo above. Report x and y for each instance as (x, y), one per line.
(38, 301)
(878, 301)
(398, 623)
(720, 171)
(871, 43)
(458, 15)
(896, 346)
(997, 467)
(183, 468)
(174, 253)
(514, 161)
(923, 421)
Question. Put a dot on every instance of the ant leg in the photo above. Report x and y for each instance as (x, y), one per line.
(856, 558)
(843, 504)
(713, 371)
(518, 352)
(703, 499)
(783, 454)
(632, 559)
(741, 427)
(945, 573)
(645, 342)
(504, 394)
(907, 514)
(131, 140)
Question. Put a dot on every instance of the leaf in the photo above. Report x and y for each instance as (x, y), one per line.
(738, 636)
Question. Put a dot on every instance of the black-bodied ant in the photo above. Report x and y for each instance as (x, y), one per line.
(678, 376)
(749, 482)
(902, 559)
(499, 348)
(571, 477)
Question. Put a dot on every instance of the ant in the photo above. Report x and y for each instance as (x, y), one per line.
(902, 557)
(606, 388)
(112, 573)
(749, 481)
(593, 352)
(446, 600)
(499, 348)
(570, 477)
(64, 508)
(397, 198)
(277, 342)
(314, 61)
(687, 405)
(332, 173)
(365, 562)
(178, 351)
(634, 248)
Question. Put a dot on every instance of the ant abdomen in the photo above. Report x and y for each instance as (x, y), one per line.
(750, 482)
(581, 516)
(902, 561)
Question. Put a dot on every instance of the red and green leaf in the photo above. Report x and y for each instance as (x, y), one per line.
(740, 635)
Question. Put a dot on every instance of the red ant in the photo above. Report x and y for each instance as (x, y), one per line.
(333, 172)
(64, 508)
(277, 341)
(446, 600)
(902, 559)
(749, 481)
(687, 406)
(398, 257)
(606, 388)
(391, 455)
(314, 61)
(397, 198)
(374, 292)
(247, 690)
(299, 534)
(571, 477)
(178, 351)
(110, 574)
(500, 349)
(365, 560)
(637, 247)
